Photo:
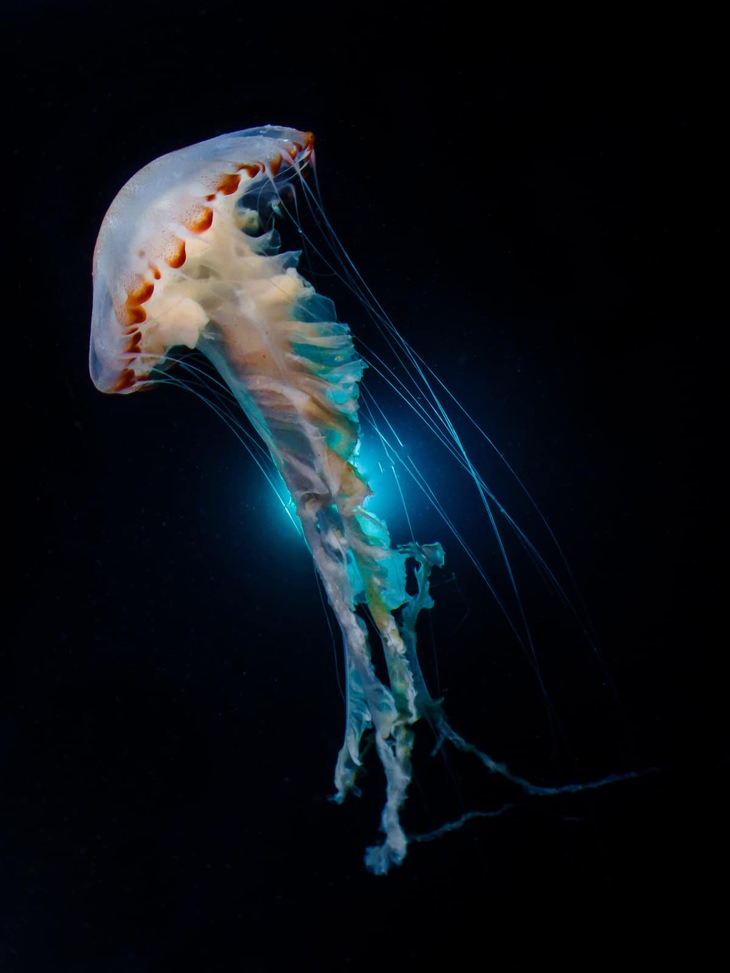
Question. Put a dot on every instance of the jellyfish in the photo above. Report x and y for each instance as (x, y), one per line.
(189, 256)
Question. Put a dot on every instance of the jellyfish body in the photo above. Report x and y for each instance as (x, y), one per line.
(181, 260)
(188, 255)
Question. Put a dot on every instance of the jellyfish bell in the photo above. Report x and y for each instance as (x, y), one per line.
(174, 243)
(188, 256)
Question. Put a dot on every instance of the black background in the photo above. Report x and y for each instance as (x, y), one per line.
(539, 214)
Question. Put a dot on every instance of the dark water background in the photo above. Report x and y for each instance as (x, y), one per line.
(540, 221)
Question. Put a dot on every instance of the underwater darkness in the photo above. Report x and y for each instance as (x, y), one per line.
(541, 226)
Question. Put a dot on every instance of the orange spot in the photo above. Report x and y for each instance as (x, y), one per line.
(228, 184)
(143, 293)
(303, 148)
(155, 272)
(134, 314)
(251, 169)
(177, 259)
(125, 380)
(201, 222)
(275, 165)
